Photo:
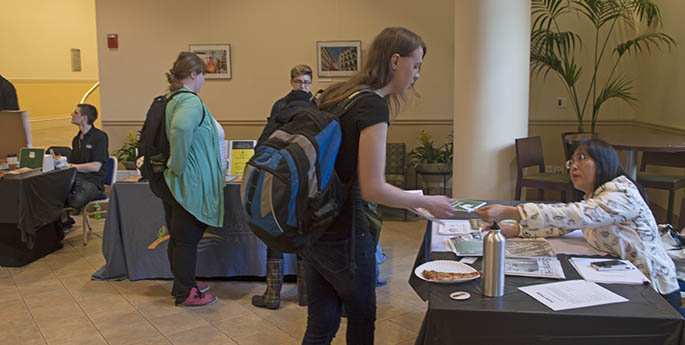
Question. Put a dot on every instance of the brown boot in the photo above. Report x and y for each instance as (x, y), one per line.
(301, 287)
(274, 281)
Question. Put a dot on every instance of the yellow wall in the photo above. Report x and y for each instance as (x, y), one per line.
(37, 39)
(38, 36)
(662, 75)
(267, 38)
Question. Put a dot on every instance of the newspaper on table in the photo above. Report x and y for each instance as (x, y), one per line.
(471, 244)
(529, 247)
(468, 244)
(534, 266)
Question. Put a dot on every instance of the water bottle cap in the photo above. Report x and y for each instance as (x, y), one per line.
(494, 226)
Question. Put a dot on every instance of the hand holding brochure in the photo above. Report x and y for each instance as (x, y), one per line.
(422, 211)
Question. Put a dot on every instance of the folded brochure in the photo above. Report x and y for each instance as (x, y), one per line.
(459, 205)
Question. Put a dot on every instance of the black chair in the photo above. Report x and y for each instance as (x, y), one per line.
(60, 150)
(529, 154)
(671, 183)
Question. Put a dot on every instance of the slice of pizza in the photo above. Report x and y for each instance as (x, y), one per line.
(436, 275)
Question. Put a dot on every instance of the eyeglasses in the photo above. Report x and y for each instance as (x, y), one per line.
(302, 82)
(574, 160)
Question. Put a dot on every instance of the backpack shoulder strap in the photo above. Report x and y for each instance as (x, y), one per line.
(346, 104)
(188, 91)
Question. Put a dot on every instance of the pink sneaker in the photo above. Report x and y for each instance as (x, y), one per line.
(198, 299)
(203, 287)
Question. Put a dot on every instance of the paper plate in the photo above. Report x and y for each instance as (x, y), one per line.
(445, 266)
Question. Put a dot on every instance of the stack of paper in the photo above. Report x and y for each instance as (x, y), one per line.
(629, 276)
(571, 294)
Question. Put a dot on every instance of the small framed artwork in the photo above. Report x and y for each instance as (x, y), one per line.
(217, 57)
(338, 58)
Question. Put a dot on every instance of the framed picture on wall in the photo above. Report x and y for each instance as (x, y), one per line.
(338, 58)
(217, 57)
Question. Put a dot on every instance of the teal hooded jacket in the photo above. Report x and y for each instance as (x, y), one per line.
(194, 173)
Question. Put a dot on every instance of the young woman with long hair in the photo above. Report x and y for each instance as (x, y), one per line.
(390, 71)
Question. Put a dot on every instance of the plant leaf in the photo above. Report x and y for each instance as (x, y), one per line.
(617, 88)
(645, 41)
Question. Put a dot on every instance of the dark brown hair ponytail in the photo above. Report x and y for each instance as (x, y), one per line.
(185, 64)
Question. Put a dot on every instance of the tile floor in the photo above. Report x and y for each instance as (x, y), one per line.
(53, 301)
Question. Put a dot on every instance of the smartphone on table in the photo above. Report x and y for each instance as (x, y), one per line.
(610, 265)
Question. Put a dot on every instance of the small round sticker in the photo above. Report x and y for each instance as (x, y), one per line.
(460, 295)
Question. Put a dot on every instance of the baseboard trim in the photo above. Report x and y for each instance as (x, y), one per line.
(119, 123)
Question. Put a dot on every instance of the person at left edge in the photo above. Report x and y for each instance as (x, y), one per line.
(89, 156)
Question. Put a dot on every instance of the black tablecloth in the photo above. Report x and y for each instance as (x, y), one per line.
(29, 209)
(517, 318)
(135, 239)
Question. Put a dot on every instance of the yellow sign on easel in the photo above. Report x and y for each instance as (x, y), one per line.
(239, 152)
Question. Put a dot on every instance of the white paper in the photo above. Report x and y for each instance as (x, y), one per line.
(571, 294)
(455, 227)
(468, 260)
(573, 243)
(631, 276)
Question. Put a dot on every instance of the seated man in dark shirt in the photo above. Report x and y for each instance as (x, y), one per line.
(89, 156)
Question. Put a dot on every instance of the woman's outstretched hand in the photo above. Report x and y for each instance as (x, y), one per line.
(495, 213)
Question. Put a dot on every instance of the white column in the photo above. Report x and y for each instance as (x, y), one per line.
(492, 48)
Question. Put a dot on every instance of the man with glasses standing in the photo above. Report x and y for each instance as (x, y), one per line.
(300, 79)
(281, 112)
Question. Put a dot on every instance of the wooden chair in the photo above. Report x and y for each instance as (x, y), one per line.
(529, 154)
(569, 148)
(681, 217)
(671, 183)
(395, 166)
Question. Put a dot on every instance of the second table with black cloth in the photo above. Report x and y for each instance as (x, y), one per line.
(517, 318)
(30, 210)
(135, 238)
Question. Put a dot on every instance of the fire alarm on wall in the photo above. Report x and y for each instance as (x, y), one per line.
(112, 41)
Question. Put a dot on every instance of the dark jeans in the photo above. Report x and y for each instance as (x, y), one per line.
(82, 192)
(330, 287)
(673, 299)
(185, 232)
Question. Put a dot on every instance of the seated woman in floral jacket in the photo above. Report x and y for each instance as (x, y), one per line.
(614, 216)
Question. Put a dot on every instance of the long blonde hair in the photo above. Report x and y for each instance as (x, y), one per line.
(377, 72)
(185, 64)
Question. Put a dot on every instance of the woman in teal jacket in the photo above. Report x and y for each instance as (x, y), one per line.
(195, 176)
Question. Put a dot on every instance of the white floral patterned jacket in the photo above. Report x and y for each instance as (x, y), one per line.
(614, 219)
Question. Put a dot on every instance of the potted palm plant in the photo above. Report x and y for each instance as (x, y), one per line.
(619, 28)
(126, 155)
(433, 160)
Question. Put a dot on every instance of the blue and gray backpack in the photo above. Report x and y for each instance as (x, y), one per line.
(290, 190)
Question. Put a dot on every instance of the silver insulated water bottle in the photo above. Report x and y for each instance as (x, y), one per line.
(493, 262)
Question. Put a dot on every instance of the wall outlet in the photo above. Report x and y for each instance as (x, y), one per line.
(562, 102)
(557, 169)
